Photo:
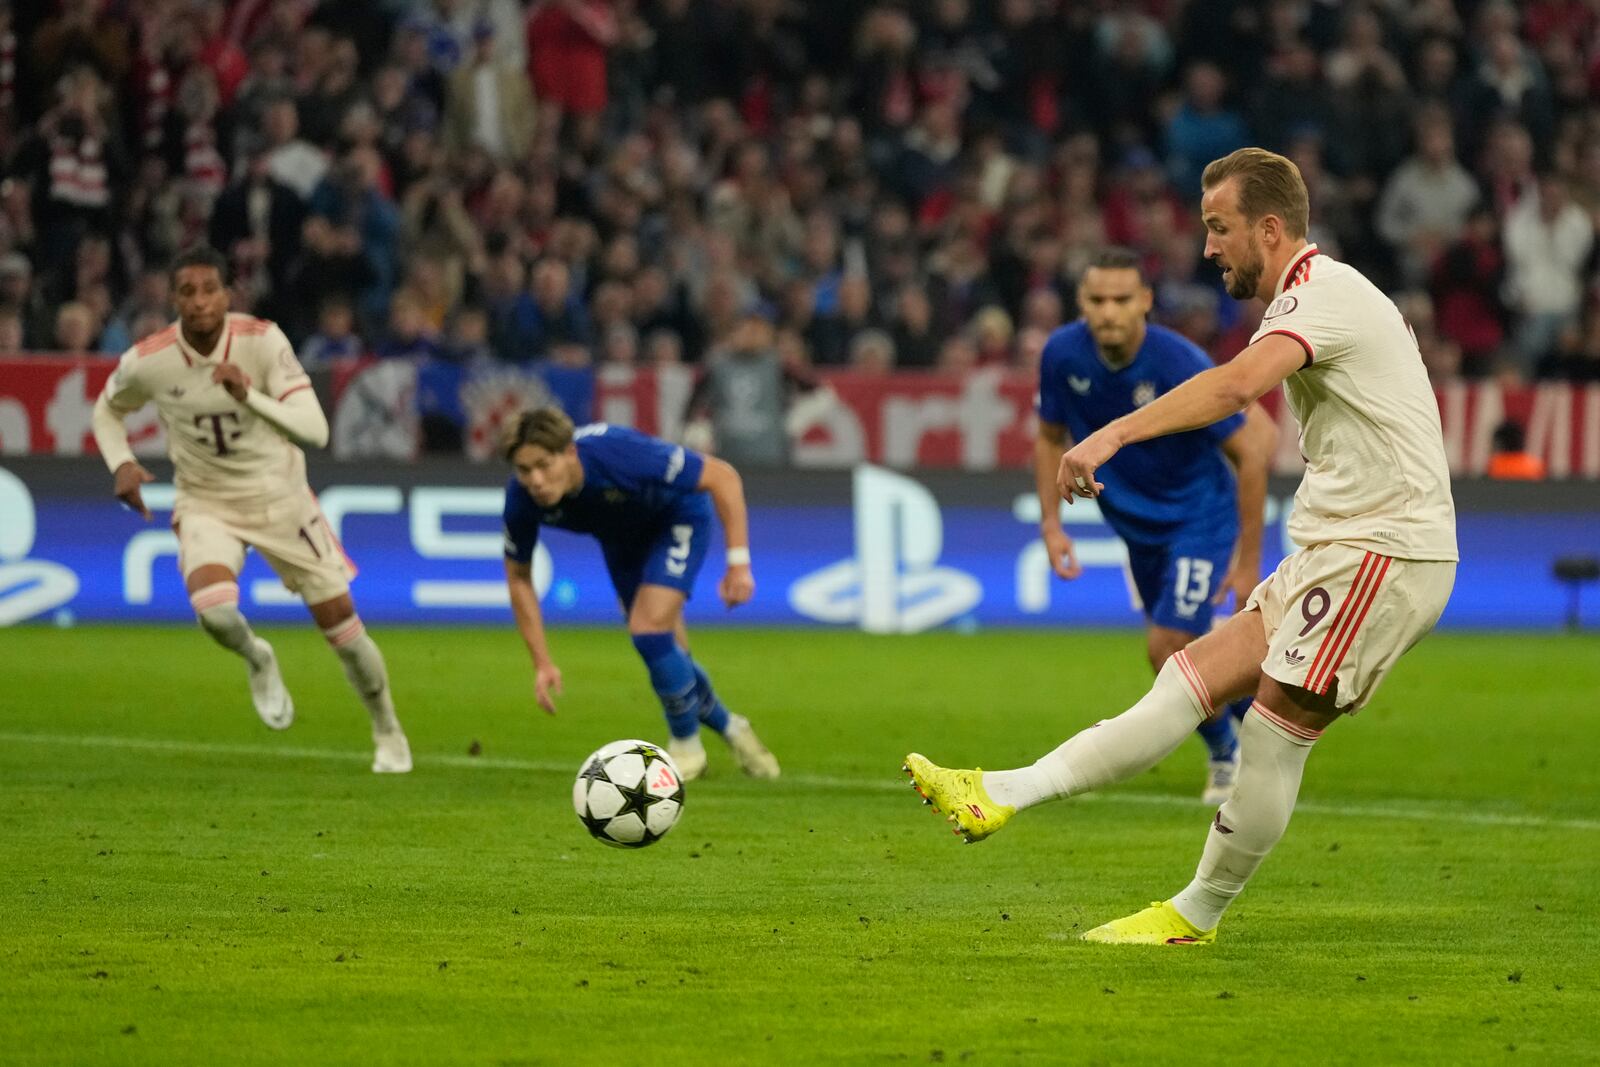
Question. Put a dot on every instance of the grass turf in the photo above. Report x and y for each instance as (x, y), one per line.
(180, 885)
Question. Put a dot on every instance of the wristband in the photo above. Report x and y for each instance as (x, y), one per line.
(739, 557)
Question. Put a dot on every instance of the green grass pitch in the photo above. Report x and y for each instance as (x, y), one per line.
(181, 886)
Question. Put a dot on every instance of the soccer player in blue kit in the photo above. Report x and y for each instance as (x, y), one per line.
(1188, 507)
(649, 503)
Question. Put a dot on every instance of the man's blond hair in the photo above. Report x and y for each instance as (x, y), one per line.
(547, 427)
(1269, 184)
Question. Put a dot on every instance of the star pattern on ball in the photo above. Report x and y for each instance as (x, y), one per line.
(595, 771)
(635, 799)
(596, 827)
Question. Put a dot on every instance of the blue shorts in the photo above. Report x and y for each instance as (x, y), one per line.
(1177, 580)
(672, 558)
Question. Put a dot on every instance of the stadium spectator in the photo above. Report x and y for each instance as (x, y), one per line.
(1466, 285)
(1427, 199)
(11, 337)
(1548, 240)
(489, 104)
(1511, 460)
(1202, 129)
(335, 338)
(76, 329)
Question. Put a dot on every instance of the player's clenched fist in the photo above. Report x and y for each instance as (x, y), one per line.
(129, 477)
(232, 378)
(738, 585)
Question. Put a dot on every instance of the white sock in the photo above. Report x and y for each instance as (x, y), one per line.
(1115, 749)
(1272, 758)
(216, 606)
(363, 665)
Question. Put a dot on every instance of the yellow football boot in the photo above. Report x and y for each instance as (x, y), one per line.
(959, 796)
(1159, 924)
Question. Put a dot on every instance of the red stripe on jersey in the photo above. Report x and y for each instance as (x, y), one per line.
(1290, 281)
(1350, 638)
(326, 525)
(1330, 639)
(250, 325)
(295, 389)
(157, 341)
(1311, 353)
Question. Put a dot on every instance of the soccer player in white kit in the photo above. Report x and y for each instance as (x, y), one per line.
(237, 409)
(1373, 519)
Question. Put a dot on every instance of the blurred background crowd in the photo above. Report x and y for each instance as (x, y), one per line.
(912, 185)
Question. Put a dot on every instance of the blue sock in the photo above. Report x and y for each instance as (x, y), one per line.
(1220, 736)
(673, 678)
(1239, 707)
(712, 711)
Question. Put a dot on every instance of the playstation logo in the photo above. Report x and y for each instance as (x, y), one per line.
(894, 584)
(28, 587)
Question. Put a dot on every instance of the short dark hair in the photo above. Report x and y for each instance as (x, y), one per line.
(548, 428)
(1116, 257)
(199, 256)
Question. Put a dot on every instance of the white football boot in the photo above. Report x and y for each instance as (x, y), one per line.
(1220, 776)
(392, 754)
(752, 756)
(689, 753)
(267, 691)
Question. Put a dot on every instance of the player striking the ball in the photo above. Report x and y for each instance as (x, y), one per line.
(1373, 517)
(649, 504)
(238, 409)
(1190, 521)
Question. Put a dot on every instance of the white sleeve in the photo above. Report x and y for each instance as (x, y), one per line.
(297, 415)
(1304, 314)
(283, 372)
(123, 395)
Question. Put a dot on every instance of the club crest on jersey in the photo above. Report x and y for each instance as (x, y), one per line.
(1143, 393)
(1281, 306)
(615, 496)
(1079, 385)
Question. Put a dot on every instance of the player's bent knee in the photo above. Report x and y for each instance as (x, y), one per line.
(344, 633)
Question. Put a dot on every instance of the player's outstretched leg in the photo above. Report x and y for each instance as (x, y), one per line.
(672, 676)
(753, 757)
(1273, 753)
(216, 605)
(979, 802)
(369, 677)
(1221, 736)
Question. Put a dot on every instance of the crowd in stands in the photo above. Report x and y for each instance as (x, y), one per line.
(886, 185)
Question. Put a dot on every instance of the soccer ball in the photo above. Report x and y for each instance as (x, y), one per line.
(628, 794)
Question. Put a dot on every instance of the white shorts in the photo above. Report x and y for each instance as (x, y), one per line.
(1338, 618)
(290, 533)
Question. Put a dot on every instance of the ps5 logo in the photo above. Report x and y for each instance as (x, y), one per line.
(894, 584)
(28, 587)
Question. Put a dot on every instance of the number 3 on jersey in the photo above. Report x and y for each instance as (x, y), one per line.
(678, 554)
(1193, 585)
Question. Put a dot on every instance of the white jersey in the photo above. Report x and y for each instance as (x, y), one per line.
(1376, 476)
(220, 449)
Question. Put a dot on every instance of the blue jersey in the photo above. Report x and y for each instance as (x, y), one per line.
(635, 489)
(1155, 490)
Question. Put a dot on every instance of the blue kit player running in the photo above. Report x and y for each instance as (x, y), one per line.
(649, 504)
(1181, 504)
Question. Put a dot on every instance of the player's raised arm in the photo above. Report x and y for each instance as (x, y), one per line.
(1249, 449)
(1202, 400)
(530, 624)
(1048, 445)
(719, 479)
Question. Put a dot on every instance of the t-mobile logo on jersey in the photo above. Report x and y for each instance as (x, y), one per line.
(894, 583)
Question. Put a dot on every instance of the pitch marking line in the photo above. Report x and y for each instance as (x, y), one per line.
(1383, 810)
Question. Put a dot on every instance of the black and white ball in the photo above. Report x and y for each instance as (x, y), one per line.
(628, 794)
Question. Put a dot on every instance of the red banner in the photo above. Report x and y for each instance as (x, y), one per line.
(980, 421)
